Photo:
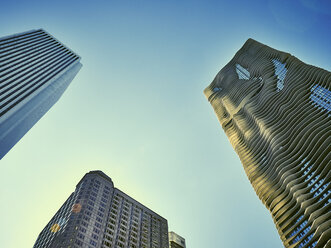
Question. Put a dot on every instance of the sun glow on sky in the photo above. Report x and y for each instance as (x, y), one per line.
(136, 111)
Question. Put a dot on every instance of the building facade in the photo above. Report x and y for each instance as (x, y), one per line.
(35, 69)
(176, 241)
(99, 215)
(275, 111)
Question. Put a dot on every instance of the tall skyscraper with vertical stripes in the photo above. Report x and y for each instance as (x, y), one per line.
(275, 111)
(99, 215)
(35, 69)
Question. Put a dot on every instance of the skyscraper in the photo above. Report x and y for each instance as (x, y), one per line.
(176, 241)
(35, 69)
(99, 215)
(275, 111)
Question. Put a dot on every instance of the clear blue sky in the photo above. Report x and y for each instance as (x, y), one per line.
(137, 111)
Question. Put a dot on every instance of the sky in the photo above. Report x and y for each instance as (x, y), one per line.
(136, 111)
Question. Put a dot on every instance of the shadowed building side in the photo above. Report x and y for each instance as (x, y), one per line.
(275, 111)
(35, 70)
(176, 241)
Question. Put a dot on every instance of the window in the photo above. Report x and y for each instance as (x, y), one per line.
(242, 72)
(280, 72)
(325, 194)
(300, 235)
(78, 242)
(299, 228)
(217, 89)
(92, 242)
(81, 236)
(321, 97)
(87, 219)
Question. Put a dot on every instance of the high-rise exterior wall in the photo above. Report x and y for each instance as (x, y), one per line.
(99, 215)
(275, 111)
(35, 69)
(176, 241)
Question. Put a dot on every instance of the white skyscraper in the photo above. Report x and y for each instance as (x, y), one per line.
(35, 70)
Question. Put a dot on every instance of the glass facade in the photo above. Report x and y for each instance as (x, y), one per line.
(35, 69)
(242, 72)
(280, 72)
(321, 97)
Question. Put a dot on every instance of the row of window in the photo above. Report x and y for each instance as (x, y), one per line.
(321, 97)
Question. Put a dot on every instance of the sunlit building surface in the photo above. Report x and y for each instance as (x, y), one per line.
(275, 111)
(176, 241)
(99, 215)
(35, 69)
